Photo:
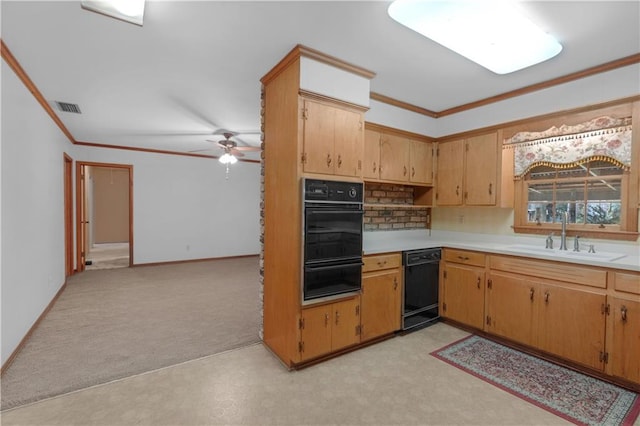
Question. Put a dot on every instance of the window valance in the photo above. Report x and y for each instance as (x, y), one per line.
(569, 146)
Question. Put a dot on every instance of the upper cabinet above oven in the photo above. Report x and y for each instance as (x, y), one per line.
(333, 139)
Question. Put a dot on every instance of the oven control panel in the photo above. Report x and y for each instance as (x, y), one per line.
(332, 191)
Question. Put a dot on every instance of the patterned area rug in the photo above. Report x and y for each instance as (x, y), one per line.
(571, 395)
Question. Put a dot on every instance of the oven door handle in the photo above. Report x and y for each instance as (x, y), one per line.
(311, 268)
(322, 211)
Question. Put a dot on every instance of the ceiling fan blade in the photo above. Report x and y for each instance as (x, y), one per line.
(236, 153)
(248, 148)
(200, 150)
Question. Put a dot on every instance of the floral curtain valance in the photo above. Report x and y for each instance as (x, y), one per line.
(571, 149)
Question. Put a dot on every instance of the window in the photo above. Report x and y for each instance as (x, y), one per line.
(591, 193)
(583, 170)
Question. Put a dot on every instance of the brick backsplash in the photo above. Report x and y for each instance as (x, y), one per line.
(387, 216)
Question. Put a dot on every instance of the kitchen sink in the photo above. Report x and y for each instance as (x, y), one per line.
(569, 254)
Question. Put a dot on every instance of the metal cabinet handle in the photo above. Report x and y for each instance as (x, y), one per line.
(465, 258)
(457, 189)
(381, 263)
(328, 160)
(531, 291)
(546, 297)
(478, 282)
(623, 313)
(413, 171)
(405, 171)
(337, 317)
(326, 319)
(490, 188)
(395, 283)
(374, 167)
(339, 160)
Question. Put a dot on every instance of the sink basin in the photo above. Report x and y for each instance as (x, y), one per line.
(570, 254)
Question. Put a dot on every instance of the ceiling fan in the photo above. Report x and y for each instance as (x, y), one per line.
(231, 149)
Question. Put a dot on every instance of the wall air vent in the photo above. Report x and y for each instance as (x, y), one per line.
(67, 107)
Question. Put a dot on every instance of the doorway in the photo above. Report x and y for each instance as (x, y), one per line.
(104, 209)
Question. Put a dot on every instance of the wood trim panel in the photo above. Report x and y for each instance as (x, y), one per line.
(35, 325)
(301, 50)
(404, 105)
(571, 273)
(22, 75)
(333, 101)
(156, 151)
(397, 132)
(205, 259)
(608, 66)
(68, 215)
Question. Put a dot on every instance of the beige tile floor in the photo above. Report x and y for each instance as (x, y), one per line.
(393, 382)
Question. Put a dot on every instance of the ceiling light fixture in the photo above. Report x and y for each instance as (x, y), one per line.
(491, 33)
(125, 10)
(228, 159)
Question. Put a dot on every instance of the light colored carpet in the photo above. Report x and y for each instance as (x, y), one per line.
(114, 323)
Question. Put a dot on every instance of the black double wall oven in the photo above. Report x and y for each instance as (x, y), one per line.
(332, 239)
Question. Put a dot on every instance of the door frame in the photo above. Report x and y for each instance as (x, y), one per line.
(68, 215)
(80, 203)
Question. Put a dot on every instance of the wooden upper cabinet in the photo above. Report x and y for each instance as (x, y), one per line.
(481, 170)
(319, 129)
(450, 163)
(421, 162)
(333, 140)
(468, 171)
(371, 164)
(394, 158)
(348, 143)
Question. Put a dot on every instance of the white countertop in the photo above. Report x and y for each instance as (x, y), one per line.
(624, 255)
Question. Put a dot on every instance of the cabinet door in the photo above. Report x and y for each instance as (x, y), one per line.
(394, 158)
(463, 288)
(346, 321)
(481, 170)
(371, 166)
(511, 307)
(450, 167)
(380, 303)
(421, 162)
(315, 333)
(319, 126)
(624, 356)
(571, 324)
(348, 143)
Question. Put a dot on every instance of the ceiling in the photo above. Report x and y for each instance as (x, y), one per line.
(193, 69)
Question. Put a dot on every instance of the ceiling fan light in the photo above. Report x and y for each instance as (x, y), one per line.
(493, 34)
(228, 159)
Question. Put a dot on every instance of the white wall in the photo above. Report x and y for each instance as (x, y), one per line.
(183, 208)
(617, 84)
(32, 210)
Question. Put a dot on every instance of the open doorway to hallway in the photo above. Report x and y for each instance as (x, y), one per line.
(105, 212)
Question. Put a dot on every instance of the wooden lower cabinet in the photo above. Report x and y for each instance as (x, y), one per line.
(624, 355)
(571, 324)
(381, 295)
(462, 293)
(329, 328)
(512, 311)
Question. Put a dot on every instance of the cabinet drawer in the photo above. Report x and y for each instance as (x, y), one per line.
(463, 256)
(379, 262)
(627, 282)
(578, 274)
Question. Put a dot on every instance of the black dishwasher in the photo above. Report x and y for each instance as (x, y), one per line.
(421, 274)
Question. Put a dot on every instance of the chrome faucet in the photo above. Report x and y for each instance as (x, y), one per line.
(576, 243)
(549, 242)
(563, 234)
